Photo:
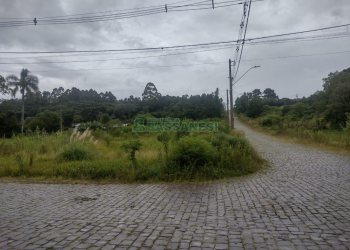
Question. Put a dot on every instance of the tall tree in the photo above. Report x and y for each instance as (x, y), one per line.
(337, 91)
(269, 94)
(150, 92)
(26, 84)
(3, 86)
(256, 93)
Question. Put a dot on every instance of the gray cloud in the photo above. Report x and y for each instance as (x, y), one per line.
(302, 75)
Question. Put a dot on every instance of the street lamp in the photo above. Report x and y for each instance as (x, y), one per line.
(254, 67)
(231, 106)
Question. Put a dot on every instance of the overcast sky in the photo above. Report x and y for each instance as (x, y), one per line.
(289, 76)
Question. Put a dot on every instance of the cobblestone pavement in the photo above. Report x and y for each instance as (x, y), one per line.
(301, 202)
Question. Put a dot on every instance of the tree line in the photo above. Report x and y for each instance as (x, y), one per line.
(62, 108)
(324, 109)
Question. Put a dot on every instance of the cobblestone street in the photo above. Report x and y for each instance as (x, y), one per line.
(301, 202)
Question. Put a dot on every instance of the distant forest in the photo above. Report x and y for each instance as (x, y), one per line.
(325, 109)
(62, 108)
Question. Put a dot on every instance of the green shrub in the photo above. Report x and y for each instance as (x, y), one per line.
(271, 120)
(164, 138)
(218, 140)
(75, 152)
(130, 148)
(148, 170)
(236, 155)
(24, 162)
(221, 140)
(315, 124)
(224, 127)
(192, 151)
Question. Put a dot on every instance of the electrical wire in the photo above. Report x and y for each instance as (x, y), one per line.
(119, 59)
(196, 64)
(174, 46)
(243, 41)
(119, 50)
(192, 51)
(114, 15)
(98, 54)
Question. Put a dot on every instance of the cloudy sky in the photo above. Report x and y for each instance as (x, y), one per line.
(291, 68)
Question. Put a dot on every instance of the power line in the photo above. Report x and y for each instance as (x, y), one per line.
(118, 50)
(93, 13)
(299, 32)
(175, 54)
(191, 51)
(116, 15)
(300, 39)
(297, 56)
(186, 46)
(238, 54)
(135, 67)
(119, 59)
(87, 54)
(198, 64)
(210, 48)
(243, 41)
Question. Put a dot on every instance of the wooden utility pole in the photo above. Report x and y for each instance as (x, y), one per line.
(227, 107)
(232, 124)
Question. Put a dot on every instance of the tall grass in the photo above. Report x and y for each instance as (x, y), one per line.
(302, 131)
(101, 155)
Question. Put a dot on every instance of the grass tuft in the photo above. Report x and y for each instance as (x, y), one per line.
(75, 152)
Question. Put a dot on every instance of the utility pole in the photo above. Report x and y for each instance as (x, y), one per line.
(227, 107)
(238, 53)
(232, 125)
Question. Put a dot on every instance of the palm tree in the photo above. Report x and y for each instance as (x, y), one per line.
(27, 83)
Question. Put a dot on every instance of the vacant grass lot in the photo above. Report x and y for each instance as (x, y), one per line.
(128, 157)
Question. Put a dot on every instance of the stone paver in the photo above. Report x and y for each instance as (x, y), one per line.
(301, 202)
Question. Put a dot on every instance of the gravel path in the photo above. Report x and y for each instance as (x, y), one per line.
(301, 202)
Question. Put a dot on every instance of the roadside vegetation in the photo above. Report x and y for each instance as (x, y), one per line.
(84, 135)
(127, 157)
(321, 119)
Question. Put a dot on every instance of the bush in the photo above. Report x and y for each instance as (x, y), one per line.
(74, 152)
(192, 151)
(131, 148)
(271, 120)
(164, 138)
(236, 155)
(224, 127)
(221, 140)
(49, 121)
